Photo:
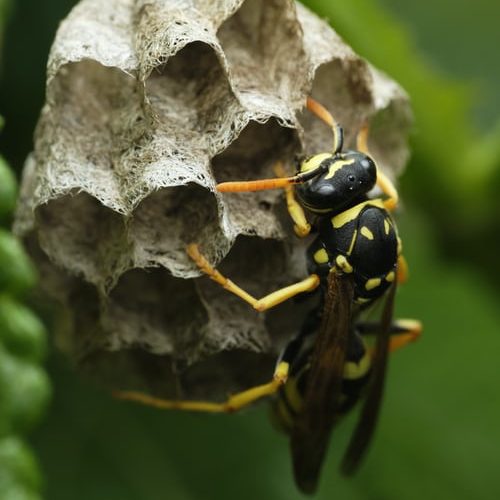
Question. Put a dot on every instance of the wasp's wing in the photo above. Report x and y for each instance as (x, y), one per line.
(369, 414)
(311, 432)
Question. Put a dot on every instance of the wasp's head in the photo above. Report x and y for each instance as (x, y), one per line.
(342, 181)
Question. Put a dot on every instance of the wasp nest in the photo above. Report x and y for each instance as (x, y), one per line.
(149, 104)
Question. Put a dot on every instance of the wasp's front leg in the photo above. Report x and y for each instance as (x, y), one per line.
(301, 227)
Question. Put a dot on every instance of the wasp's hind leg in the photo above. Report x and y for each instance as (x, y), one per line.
(402, 331)
(273, 299)
(232, 404)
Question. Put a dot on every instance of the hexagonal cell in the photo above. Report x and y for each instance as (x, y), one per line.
(168, 220)
(152, 310)
(84, 237)
(211, 376)
(341, 84)
(192, 98)
(145, 152)
(209, 380)
(252, 156)
(265, 34)
(100, 107)
(259, 266)
(388, 141)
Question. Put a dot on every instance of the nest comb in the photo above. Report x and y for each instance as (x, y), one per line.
(149, 103)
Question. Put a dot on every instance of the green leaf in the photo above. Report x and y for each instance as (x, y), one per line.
(17, 273)
(24, 394)
(21, 332)
(19, 474)
(8, 191)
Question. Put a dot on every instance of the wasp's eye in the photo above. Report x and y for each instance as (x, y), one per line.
(351, 178)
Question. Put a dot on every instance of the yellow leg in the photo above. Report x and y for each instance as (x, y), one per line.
(383, 182)
(403, 331)
(412, 329)
(402, 272)
(273, 299)
(232, 404)
(302, 228)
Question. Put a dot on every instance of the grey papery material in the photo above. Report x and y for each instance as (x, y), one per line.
(149, 104)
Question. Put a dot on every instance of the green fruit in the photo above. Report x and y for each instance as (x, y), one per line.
(24, 394)
(19, 474)
(21, 332)
(17, 273)
(8, 191)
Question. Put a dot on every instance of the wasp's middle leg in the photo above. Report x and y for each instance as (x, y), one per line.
(273, 299)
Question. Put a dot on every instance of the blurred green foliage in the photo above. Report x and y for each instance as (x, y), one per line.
(24, 385)
(438, 435)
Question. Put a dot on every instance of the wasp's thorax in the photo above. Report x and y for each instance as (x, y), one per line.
(343, 180)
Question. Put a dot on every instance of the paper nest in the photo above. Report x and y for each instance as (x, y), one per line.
(149, 104)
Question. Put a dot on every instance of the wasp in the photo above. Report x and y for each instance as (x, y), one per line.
(354, 261)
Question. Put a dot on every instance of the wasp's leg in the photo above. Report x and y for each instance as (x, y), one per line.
(407, 330)
(302, 228)
(273, 299)
(232, 404)
(402, 272)
(383, 182)
(402, 331)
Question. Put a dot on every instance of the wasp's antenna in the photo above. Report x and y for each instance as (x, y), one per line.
(264, 184)
(323, 114)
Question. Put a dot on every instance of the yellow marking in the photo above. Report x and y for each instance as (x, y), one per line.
(390, 277)
(282, 417)
(353, 241)
(321, 257)
(400, 246)
(349, 215)
(367, 233)
(343, 263)
(372, 283)
(292, 394)
(337, 165)
(354, 371)
(361, 300)
(387, 226)
(314, 162)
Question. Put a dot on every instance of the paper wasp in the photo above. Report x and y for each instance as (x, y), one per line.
(354, 260)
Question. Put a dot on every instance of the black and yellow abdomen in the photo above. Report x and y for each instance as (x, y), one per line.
(288, 405)
(361, 240)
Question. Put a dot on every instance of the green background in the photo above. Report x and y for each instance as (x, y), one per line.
(439, 434)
